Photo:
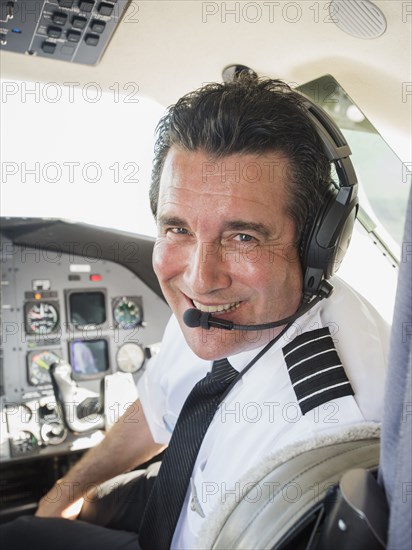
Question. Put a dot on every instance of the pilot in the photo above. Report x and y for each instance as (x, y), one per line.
(239, 177)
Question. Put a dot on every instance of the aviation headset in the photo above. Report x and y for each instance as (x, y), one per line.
(327, 235)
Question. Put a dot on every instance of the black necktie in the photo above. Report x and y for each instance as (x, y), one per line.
(169, 490)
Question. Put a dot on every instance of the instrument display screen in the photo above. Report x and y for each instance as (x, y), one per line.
(87, 308)
(89, 358)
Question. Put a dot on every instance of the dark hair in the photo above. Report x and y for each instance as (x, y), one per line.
(249, 115)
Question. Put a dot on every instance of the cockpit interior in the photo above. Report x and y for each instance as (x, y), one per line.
(83, 85)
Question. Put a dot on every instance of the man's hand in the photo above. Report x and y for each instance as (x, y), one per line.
(60, 502)
(65, 498)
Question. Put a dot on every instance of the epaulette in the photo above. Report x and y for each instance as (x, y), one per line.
(315, 369)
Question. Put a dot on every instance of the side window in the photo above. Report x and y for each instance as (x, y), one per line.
(101, 153)
(371, 265)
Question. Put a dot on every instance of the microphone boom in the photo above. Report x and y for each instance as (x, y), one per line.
(194, 318)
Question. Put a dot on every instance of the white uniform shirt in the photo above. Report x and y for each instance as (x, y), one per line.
(261, 413)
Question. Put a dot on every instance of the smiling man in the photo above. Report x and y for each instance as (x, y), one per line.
(240, 182)
(226, 245)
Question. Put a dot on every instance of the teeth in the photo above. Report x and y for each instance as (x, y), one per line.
(216, 309)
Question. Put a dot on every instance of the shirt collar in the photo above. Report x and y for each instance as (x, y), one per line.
(240, 360)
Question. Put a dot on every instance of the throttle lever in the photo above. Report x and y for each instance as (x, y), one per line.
(80, 408)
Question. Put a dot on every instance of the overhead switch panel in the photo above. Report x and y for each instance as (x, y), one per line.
(60, 29)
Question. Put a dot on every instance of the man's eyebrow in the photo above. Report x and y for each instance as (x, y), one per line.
(243, 226)
(230, 225)
(173, 221)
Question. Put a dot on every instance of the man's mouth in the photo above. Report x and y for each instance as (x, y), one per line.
(218, 308)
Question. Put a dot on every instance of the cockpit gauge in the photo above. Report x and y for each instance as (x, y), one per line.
(130, 357)
(127, 312)
(39, 363)
(41, 318)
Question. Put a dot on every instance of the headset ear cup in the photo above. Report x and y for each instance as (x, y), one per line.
(312, 221)
(342, 241)
(327, 238)
(308, 242)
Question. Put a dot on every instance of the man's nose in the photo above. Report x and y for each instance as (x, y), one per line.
(206, 271)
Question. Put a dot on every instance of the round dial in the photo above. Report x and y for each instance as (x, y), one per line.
(41, 318)
(127, 313)
(130, 357)
(39, 364)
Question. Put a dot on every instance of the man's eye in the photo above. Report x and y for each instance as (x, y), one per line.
(177, 230)
(244, 238)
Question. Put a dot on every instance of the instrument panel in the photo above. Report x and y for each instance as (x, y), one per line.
(96, 314)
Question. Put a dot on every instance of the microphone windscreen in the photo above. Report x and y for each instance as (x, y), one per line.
(191, 318)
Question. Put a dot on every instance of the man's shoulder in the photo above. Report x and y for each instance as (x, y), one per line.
(347, 308)
(351, 338)
(359, 333)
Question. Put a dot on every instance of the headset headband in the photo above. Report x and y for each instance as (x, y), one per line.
(326, 237)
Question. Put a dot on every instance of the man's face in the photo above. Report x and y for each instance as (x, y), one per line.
(225, 245)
